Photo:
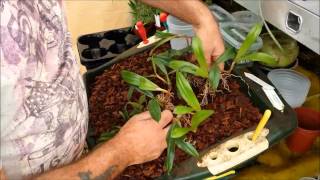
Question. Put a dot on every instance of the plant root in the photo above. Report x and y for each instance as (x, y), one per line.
(165, 100)
(186, 120)
(227, 75)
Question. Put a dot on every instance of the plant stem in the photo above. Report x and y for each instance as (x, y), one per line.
(231, 67)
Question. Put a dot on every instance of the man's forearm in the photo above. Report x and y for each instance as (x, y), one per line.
(105, 162)
(191, 11)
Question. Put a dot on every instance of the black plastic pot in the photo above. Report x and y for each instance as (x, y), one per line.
(280, 124)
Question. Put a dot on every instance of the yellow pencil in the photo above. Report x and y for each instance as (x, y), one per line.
(222, 175)
(261, 124)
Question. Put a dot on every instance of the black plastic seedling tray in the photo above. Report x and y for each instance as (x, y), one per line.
(280, 125)
(98, 48)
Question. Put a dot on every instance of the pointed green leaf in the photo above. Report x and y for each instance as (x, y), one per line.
(154, 109)
(170, 149)
(187, 147)
(146, 84)
(230, 53)
(179, 132)
(180, 110)
(261, 57)
(199, 117)
(198, 52)
(214, 76)
(139, 81)
(130, 77)
(183, 66)
(250, 39)
(186, 91)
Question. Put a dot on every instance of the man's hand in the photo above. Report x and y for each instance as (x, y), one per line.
(202, 20)
(211, 39)
(143, 137)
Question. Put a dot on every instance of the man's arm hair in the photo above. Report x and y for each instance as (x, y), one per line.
(106, 162)
(194, 12)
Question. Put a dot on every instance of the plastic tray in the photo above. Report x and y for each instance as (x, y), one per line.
(234, 34)
(280, 124)
(98, 48)
(247, 18)
(221, 14)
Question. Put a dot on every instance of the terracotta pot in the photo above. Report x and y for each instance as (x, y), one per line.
(308, 129)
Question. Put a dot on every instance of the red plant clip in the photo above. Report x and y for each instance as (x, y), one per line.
(142, 32)
(163, 17)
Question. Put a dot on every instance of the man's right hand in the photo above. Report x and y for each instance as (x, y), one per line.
(143, 138)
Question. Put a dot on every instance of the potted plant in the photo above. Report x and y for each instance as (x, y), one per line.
(156, 79)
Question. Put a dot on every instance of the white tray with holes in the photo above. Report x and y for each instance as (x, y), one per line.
(234, 152)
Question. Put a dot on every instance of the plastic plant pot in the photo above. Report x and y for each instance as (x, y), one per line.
(308, 130)
(293, 86)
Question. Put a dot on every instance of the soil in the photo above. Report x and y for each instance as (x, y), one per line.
(234, 112)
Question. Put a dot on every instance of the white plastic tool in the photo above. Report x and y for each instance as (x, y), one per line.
(234, 152)
(268, 90)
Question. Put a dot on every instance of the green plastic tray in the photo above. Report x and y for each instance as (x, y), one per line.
(280, 124)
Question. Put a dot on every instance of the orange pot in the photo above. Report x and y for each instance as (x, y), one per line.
(308, 129)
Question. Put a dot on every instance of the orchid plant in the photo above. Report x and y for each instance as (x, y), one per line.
(166, 69)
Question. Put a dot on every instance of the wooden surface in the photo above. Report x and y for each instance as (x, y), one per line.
(88, 16)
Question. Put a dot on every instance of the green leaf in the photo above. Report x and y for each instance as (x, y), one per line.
(183, 66)
(108, 135)
(124, 115)
(170, 150)
(163, 57)
(162, 35)
(131, 77)
(199, 117)
(180, 110)
(135, 105)
(160, 63)
(250, 39)
(139, 81)
(198, 52)
(259, 56)
(160, 43)
(186, 91)
(178, 132)
(214, 76)
(202, 73)
(130, 92)
(146, 84)
(154, 109)
(142, 99)
(147, 93)
(187, 147)
(230, 53)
